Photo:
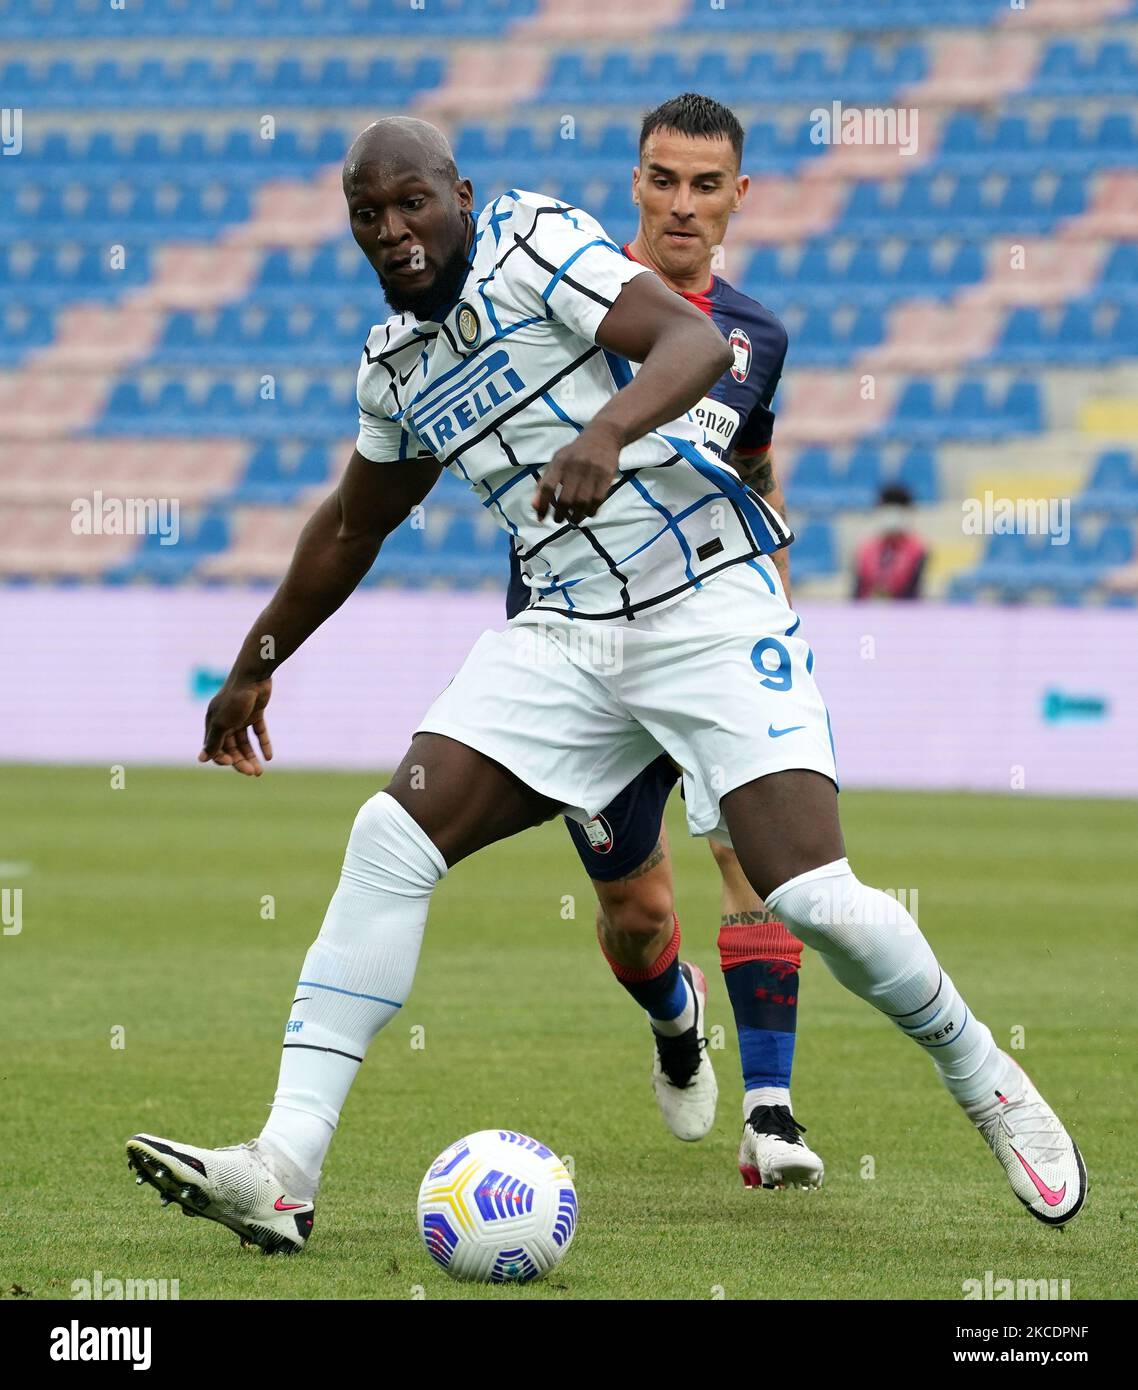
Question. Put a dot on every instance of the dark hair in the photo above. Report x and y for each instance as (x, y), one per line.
(895, 495)
(693, 114)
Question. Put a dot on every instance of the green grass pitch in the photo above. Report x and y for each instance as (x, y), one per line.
(142, 911)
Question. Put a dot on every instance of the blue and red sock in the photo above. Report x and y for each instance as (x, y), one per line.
(760, 962)
(660, 989)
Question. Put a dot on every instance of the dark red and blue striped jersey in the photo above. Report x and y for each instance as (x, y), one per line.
(736, 413)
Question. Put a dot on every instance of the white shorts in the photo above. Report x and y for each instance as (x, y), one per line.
(719, 681)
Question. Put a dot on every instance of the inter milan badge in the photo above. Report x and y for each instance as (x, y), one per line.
(469, 329)
(741, 346)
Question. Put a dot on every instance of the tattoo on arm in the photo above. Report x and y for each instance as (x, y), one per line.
(761, 476)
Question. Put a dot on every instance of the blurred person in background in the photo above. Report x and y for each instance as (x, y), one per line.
(891, 564)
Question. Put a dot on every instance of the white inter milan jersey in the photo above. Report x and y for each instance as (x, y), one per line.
(511, 374)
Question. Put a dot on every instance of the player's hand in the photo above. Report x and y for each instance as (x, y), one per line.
(578, 477)
(233, 711)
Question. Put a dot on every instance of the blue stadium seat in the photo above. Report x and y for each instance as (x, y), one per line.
(1064, 134)
(917, 408)
(1123, 341)
(1059, 61)
(812, 481)
(1022, 408)
(1022, 339)
(1115, 68)
(860, 66)
(171, 403)
(968, 264)
(212, 535)
(1113, 548)
(915, 269)
(864, 266)
(713, 73)
(918, 472)
(335, 77)
(759, 69)
(964, 135)
(861, 479)
(568, 77)
(216, 415)
(617, 142)
(1113, 486)
(910, 64)
(1115, 135)
(1012, 135)
(970, 411)
(814, 551)
(808, 68)
(241, 80)
(151, 81)
(1070, 196)
(125, 400)
(1076, 339)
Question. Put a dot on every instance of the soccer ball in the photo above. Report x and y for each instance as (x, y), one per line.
(497, 1206)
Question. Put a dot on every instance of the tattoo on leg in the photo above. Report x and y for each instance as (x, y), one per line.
(748, 919)
(658, 855)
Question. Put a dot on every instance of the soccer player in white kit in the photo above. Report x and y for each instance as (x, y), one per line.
(507, 361)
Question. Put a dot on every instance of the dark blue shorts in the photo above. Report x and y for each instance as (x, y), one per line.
(625, 833)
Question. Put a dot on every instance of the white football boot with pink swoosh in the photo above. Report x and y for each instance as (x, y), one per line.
(234, 1186)
(1042, 1161)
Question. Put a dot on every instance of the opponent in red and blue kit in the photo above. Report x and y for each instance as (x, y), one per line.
(687, 185)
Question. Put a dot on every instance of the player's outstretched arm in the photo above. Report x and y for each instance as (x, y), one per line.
(336, 549)
(683, 356)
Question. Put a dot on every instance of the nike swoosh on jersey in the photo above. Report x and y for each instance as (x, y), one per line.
(772, 732)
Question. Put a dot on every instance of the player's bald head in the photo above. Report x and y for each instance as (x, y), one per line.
(410, 212)
(397, 143)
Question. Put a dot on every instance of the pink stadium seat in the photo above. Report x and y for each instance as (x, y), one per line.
(1052, 273)
(478, 81)
(926, 337)
(1113, 211)
(39, 542)
(1066, 14)
(827, 408)
(601, 19)
(787, 209)
(263, 541)
(974, 68)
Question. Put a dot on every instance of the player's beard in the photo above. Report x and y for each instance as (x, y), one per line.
(438, 296)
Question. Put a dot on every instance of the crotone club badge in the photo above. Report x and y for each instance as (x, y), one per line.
(741, 346)
(469, 329)
(599, 835)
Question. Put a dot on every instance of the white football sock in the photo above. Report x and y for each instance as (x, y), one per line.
(766, 1095)
(871, 945)
(685, 1019)
(356, 976)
